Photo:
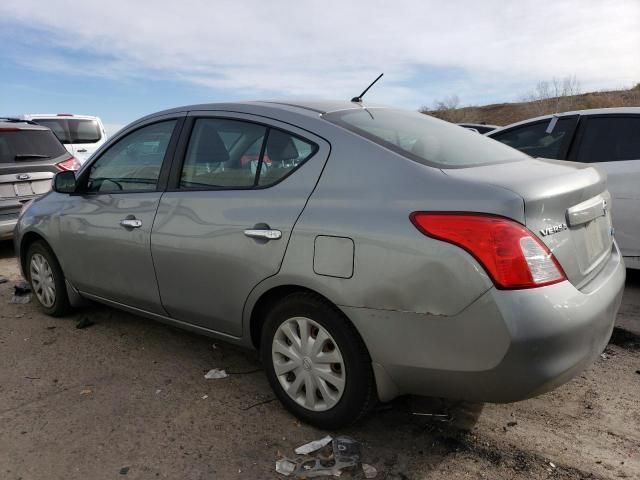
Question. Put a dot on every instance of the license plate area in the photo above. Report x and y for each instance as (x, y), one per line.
(593, 241)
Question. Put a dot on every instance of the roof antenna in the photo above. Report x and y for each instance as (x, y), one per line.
(358, 99)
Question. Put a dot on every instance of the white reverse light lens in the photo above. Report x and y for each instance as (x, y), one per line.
(541, 265)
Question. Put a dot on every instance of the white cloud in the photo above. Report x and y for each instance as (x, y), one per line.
(334, 48)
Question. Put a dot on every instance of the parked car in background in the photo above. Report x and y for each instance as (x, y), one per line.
(479, 127)
(607, 138)
(30, 155)
(80, 134)
(377, 251)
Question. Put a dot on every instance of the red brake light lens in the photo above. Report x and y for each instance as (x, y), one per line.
(70, 163)
(512, 256)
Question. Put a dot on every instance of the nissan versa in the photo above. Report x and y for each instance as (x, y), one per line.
(367, 252)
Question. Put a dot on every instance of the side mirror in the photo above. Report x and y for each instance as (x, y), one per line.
(64, 182)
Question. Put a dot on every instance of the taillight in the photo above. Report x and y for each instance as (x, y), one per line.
(512, 256)
(70, 163)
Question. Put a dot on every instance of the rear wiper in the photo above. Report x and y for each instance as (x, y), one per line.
(23, 156)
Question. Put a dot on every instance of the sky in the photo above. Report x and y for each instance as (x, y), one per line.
(123, 59)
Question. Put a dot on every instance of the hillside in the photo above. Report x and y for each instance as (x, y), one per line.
(506, 113)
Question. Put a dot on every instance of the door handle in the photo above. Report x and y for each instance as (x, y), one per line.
(263, 233)
(131, 223)
(82, 150)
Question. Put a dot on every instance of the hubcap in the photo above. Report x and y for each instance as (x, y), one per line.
(42, 280)
(308, 364)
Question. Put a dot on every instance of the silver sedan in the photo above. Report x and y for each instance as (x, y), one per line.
(367, 252)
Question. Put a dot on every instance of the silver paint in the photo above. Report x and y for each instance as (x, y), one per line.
(427, 311)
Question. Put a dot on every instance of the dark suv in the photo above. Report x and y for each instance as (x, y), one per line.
(30, 155)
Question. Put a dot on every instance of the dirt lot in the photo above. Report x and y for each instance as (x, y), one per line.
(126, 398)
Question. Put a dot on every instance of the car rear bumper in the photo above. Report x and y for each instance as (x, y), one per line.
(7, 225)
(506, 346)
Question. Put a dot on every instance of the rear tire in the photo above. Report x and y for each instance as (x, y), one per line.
(316, 362)
(47, 280)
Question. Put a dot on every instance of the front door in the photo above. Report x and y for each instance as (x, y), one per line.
(106, 227)
(225, 224)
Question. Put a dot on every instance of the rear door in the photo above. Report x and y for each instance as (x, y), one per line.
(612, 143)
(105, 228)
(238, 187)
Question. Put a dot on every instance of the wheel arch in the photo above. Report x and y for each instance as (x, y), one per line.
(270, 297)
(26, 241)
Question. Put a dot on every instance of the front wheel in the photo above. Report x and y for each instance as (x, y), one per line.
(47, 280)
(316, 362)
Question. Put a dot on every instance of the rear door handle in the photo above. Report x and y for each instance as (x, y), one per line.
(131, 223)
(265, 234)
(82, 150)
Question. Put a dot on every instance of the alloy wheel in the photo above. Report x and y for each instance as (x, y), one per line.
(42, 280)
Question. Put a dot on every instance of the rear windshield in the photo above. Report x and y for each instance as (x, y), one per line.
(423, 138)
(28, 145)
(70, 130)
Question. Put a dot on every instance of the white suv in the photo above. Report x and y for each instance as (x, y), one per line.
(80, 134)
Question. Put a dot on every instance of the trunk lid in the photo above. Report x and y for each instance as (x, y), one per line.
(566, 205)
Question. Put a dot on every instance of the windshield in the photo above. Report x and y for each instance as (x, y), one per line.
(28, 145)
(423, 138)
(73, 130)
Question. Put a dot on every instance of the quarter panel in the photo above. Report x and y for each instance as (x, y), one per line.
(367, 193)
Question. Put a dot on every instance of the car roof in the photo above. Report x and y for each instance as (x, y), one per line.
(30, 116)
(308, 107)
(591, 111)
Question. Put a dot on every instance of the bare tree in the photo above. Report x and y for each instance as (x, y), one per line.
(557, 95)
(446, 109)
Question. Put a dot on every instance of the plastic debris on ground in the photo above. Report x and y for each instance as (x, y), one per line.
(21, 299)
(313, 446)
(285, 467)
(21, 293)
(215, 374)
(369, 471)
(332, 457)
(22, 288)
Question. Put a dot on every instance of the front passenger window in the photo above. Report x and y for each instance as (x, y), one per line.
(540, 139)
(133, 163)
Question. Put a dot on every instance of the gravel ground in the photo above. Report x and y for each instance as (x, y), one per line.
(126, 398)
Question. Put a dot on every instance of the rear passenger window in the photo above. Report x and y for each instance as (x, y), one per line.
(541, 139)
(609, 139)
(222, 153)
(227, 154)
(283, 154)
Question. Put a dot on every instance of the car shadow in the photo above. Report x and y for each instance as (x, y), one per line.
(633, 277)
(6, 249)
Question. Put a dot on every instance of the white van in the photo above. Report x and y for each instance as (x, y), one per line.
(80, 134)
